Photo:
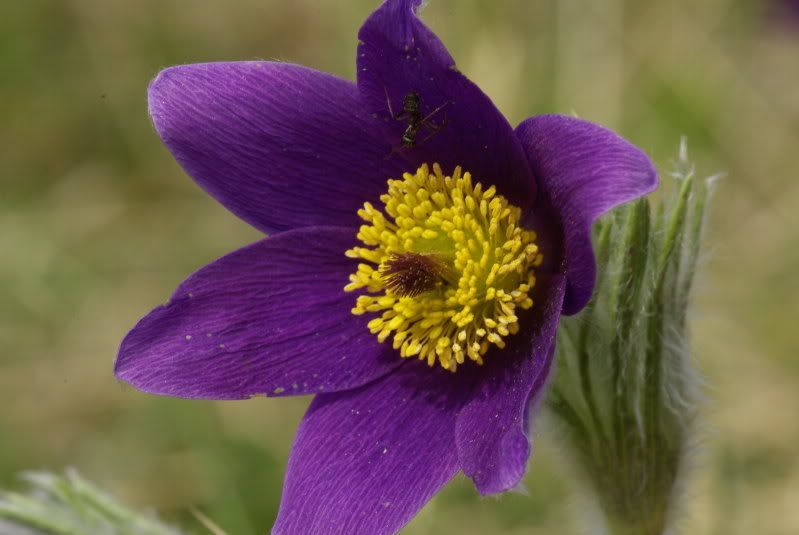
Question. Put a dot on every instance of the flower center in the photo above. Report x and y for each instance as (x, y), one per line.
(447, 265)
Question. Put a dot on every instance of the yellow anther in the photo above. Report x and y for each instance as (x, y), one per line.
(447, 264)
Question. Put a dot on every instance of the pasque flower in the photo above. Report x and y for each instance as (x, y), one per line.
(420, 254)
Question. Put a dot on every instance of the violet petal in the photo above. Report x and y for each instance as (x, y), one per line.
(492, 428)
(271, 318)
(280, 145)
(397, 55)
(366, 461)
(584, 170)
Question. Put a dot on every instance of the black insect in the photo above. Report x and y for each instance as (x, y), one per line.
(412, 113)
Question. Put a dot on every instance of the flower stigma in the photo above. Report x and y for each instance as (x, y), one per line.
(447, 265)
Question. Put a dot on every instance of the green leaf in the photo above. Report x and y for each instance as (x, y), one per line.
(70, 505)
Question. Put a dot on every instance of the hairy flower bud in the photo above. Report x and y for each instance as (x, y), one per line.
(626, 392)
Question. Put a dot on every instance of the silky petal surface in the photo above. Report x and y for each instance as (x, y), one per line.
(367, 460)
(397, 55)
(584, 170)
(280, 145)
(492, 429)
(271, 319)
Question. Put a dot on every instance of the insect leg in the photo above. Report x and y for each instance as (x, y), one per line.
(435, 111)
(390, 109)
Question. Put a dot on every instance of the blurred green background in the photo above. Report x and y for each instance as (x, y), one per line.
(98, 224)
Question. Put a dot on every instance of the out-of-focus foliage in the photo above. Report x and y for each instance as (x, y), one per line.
(98, 224)
(70, 505)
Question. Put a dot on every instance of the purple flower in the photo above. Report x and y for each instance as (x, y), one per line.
(784, 12)
(469, 272)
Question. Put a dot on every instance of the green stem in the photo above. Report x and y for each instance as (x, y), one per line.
(585, 330)
(633, 268)
(654, 354)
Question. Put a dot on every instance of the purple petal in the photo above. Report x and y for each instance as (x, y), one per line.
(281, 146)
(492, 428)
(584, 170)
(271, 318)
(397, 55)
(367, 460)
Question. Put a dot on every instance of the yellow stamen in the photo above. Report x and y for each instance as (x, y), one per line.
(448, 266)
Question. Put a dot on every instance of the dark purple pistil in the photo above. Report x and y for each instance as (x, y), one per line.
(412, 274)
